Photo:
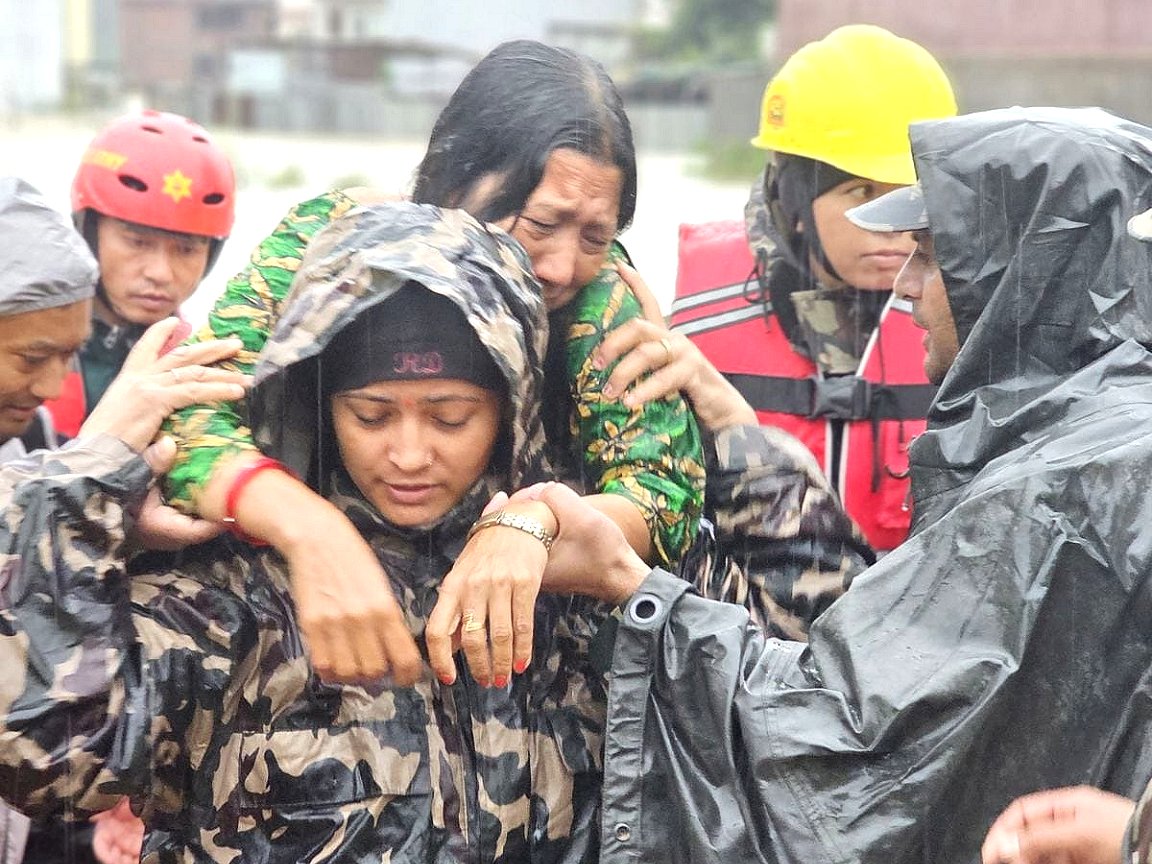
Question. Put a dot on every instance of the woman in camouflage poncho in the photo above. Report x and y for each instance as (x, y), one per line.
(187, 687)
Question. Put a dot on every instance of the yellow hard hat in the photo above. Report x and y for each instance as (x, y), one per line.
(848, 99)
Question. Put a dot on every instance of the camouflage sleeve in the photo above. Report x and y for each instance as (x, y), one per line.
(247, 309)
(650, 454)
(779, 542)
(64, 626)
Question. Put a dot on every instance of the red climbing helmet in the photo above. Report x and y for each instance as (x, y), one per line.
(160, 170)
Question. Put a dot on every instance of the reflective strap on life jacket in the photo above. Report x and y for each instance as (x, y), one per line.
(683, 309)
(70, 408)
(721, 319)
(844, 397)
(724, 292)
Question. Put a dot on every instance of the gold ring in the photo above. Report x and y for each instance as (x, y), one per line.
(667, 343)
(471, 625)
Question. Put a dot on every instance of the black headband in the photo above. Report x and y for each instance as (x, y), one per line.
(414, 335)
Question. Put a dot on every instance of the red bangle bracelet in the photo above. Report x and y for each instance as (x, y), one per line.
(243, 477)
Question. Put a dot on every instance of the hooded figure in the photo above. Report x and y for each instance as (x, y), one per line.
(44, 266)
(1005, 646)
(1043, 280)
(197, 698)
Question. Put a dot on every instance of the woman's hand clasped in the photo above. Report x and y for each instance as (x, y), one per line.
(353, 625)
(487, 601)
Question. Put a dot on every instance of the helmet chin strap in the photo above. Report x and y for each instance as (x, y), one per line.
(86, 222)
(797, 182)
(109, 309)
(811, 242)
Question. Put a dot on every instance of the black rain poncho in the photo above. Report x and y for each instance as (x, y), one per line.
(1007, 645)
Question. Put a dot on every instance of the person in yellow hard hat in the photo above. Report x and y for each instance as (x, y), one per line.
(835, 118)
(820, 348)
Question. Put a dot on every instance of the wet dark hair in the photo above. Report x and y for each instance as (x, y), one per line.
(522, 101)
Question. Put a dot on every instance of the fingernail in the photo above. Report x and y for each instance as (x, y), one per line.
(519, 666)
(446, 679)
(629, 400)
(597, 362)
(608, 390)
(501, 682)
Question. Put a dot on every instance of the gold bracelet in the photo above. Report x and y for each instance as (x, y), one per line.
(514, 520)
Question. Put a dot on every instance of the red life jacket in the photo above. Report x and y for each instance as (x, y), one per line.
(70, 408)
(719, 307)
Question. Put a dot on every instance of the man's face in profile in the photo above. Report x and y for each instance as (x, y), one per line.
(36, 350)
(921, 283)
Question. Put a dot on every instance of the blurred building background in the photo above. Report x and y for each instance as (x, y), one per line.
(1010, 52)
(690, 70)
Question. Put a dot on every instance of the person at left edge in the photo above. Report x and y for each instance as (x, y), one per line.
(45, 311)
(154, 197)
(44, 301)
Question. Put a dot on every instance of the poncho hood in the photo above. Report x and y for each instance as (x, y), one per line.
(1028, 209)
(46, 264)
(361, 260)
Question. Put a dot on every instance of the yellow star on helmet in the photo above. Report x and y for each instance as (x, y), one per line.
(177, 186)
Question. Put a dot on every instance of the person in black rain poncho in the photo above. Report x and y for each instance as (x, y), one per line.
(1005, 646)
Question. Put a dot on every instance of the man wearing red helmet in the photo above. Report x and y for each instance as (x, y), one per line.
(154, 198)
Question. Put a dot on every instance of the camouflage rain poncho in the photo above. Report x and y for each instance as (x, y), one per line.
(187, 688)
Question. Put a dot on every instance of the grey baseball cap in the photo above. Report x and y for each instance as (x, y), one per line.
(1140, 226)
(900, 210)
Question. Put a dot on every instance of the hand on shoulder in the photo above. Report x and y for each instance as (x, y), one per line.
(655, 363)
(152, 384)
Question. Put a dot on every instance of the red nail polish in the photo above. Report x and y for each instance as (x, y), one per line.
(519, 666)
(447, 679)
(501, 682)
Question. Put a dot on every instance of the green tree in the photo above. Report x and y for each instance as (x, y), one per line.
(717, 30)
